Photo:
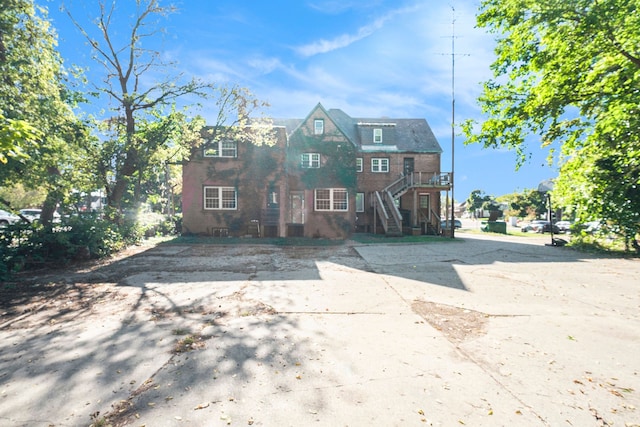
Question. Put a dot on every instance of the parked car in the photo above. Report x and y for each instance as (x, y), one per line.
(540, 226)
(7, 218)
(532, 226)
(564, 226)
(592, 227)
(34, 214)
(446, 224)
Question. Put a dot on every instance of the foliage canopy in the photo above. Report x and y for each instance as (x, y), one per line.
(145, 133)
(41, 139)
(570, 73)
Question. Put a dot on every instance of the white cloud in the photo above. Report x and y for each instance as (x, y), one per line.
(344, 40)
(334, 7)
(264, 65)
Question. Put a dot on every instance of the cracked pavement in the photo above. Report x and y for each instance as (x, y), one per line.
(484, 330)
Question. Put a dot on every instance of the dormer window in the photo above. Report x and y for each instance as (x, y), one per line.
(377, 136)
(318, 127)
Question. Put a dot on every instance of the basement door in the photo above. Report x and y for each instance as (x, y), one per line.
(296, 201)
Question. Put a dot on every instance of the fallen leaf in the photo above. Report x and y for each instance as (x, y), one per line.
(490, 411)
(201, 406)
(519, 412)
(421, 412)
(151, 404)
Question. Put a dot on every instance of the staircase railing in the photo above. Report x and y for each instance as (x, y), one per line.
(395, 212)
(382, 212)
(398, 185)
(415, 179)
(438, 221)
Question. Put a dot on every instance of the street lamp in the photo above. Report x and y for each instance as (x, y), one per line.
(545, 188)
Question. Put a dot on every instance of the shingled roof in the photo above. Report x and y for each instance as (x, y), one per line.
(406, 135)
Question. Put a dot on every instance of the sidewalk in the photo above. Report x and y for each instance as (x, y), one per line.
(483, 331)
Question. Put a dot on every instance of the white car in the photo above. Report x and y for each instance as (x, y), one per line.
(7, 218)
(34, 214)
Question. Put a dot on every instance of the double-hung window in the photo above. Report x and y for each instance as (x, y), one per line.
(220, 198)
(358, 164)
(379, 165)
(377, 136)
(331, 199)
(221, 149)
(310, 160)
(318, 127)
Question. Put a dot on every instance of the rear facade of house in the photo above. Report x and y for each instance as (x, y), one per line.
(327, 176)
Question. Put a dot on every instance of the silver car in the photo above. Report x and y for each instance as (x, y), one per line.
(7, 218)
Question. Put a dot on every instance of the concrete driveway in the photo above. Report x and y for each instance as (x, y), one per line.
(483, 331)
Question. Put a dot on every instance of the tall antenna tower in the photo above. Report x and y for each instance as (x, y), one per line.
(453, 116)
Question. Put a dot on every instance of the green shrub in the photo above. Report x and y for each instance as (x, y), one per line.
(23, 246)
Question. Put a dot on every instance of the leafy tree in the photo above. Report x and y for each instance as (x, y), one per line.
(570, 72)
(142, 131)
(39, 133)
(476, 199)
(18, 197)
(529, 203)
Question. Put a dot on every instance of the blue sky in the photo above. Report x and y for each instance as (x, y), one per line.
(371, 58)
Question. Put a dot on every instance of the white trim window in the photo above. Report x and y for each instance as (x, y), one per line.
(359, 202)
(310, 160)
(331, 199)
(220, 198)
(318, 127)
(221, 149)
(377, 136)
(380, 165)
(359, 163)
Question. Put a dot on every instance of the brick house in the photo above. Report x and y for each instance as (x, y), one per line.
(327, 175)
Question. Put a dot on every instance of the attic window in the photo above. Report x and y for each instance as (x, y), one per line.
(318, 127)
(377, 136)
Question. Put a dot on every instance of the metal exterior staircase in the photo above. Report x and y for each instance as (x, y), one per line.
(384, 201)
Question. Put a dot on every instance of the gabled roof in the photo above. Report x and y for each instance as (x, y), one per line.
(410, 135)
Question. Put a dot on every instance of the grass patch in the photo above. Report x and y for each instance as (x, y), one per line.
(365, 238)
